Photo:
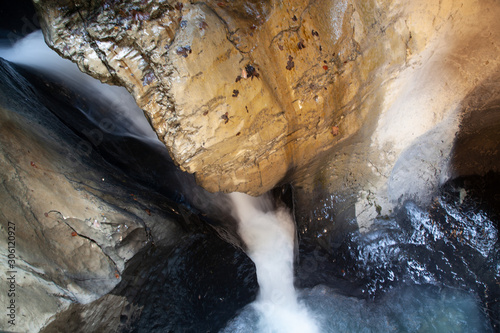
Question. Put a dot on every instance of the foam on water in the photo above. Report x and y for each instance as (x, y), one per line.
(269, 236)
(404, 309)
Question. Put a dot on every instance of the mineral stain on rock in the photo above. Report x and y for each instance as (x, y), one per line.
(184, 51)
(290, 64)
(148, 78)
(250, 72)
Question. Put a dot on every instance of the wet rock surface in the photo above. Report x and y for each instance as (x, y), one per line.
(452, 243)
(196, 287)
(78, 219)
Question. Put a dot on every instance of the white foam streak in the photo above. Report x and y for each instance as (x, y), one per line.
(269, 236)
(32, 51)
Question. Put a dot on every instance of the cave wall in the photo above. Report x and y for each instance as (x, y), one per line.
(429, 89)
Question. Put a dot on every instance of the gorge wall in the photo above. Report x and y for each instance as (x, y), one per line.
(357, 104)
(359, 97)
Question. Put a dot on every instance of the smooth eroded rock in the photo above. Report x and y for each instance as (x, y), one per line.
(76, 219)
(243, 94)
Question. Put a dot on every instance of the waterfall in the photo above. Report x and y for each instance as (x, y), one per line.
(269, 237)
(423, 267)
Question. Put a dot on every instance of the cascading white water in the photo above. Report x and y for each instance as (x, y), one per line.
(269, 236)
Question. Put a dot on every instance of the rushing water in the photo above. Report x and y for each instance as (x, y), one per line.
(422, 269)
(269, 236)
(419, 275)
(408, 309)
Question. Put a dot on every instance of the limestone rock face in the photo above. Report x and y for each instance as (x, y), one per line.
(241, 93)
(339, 95)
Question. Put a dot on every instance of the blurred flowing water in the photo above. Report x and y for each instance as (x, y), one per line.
(269, 237)
(421, 269)
(111, 108)
(432, 269)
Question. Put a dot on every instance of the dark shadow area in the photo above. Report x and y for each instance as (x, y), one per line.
(198, 288)
(476, 149)
(472, 215)
(17, 19)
